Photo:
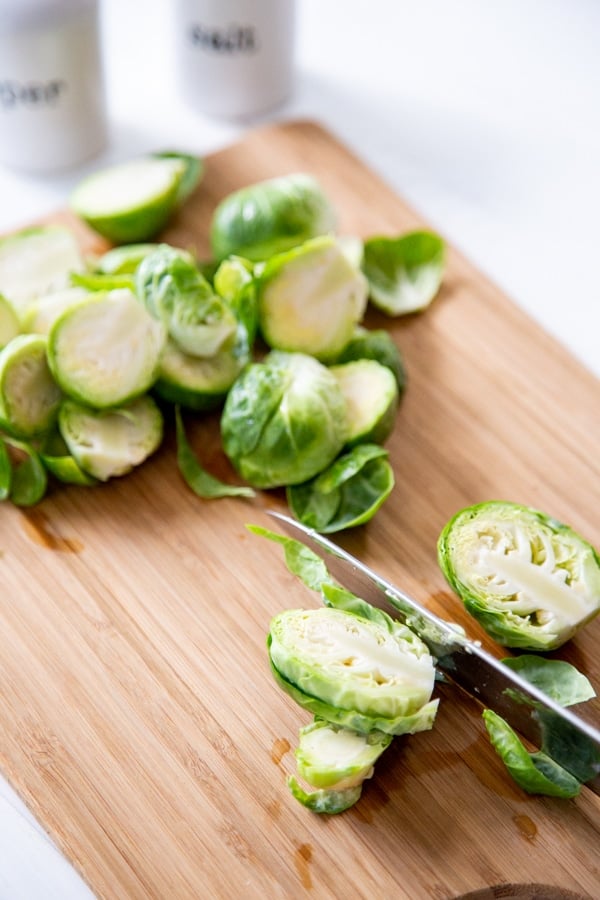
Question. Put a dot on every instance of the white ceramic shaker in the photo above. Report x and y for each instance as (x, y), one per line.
(52, 106)
(234, 58)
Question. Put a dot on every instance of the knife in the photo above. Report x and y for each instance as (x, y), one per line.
(570, 740)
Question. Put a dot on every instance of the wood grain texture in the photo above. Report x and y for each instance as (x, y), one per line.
(139, 719)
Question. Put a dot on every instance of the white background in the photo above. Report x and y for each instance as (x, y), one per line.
(483, 115)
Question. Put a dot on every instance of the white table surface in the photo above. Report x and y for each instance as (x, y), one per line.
(484, 116)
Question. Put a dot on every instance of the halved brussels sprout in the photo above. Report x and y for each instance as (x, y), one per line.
(284, 420)
(197, 382)
(36, 261)
(310, 299)
(108, 443)
(173, 290)
(270, 216)
(104, 351)
(371, 396)
(353, 671)
(529, 580)
(332, 757)
(29, 395)
(376, 344)
(130, 202)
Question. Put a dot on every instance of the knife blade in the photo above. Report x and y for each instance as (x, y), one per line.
(570, 740)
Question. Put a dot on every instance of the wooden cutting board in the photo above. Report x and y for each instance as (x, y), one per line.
(139, 720)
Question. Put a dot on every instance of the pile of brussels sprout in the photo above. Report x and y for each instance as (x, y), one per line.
(270, 331)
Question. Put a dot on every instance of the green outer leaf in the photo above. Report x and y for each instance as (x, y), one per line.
(536, 773)
(559, 679)
(345, 495)
(300, 560)
(66, 469)
(100, 281)
(270, 216)
(29, 479)
(422, 720)
(324, 801)
(5, 471)
(404, 273)
(194, 171)
(201, 482)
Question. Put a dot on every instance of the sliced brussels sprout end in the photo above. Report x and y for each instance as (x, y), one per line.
(336, 758)
(329, 802)
(371, 396)
(529, 580)
(310, 299)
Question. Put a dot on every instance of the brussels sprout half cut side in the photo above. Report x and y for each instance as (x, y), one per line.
(372, 398)
(336, 758)
(105, 350)
(310, 299)
(109, 443)
(29, 395)
(529, 580)
(352, 665)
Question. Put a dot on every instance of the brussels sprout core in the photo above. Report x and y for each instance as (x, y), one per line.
(530, 580)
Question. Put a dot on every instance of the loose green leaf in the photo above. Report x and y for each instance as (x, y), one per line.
(198, 479)
(99, 281)
(559, 679)
(346, 494)
(404, 273)
(536, 773)
(300, 559)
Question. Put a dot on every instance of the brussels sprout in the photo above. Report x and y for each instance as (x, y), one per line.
(310, 299)
(29, 396)
(376, 344)
(284, 420)
(270, 216)
(346, 494)
(36, 261)
(371, 396)
(357, 672)
(325, 801)
(130, 202)
(108, 443)
(173, 290)
(529, 580)
(104, 351)
(336, 758)
(404, 273)
(197, 382)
